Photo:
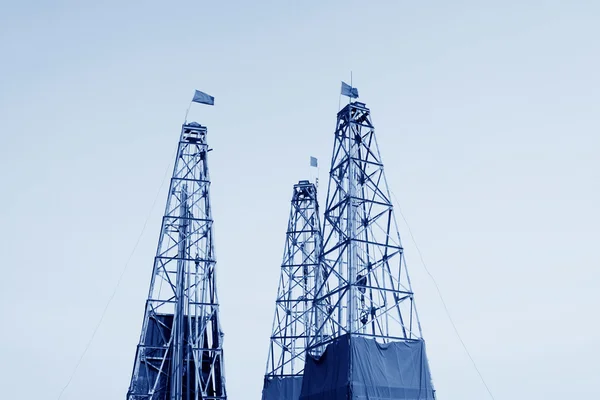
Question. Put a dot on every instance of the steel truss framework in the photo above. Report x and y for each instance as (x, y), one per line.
(365, 289)
(180, 353)
(294, 322)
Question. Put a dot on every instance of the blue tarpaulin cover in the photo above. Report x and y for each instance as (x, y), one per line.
(282, 388)
(357, 368)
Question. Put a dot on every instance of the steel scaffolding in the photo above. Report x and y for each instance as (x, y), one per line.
(294, 321)
(180, 352)
(366, 289)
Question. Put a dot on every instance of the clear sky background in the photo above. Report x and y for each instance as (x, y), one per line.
(488, 119)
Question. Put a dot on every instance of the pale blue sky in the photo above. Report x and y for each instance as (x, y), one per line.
(488, 122)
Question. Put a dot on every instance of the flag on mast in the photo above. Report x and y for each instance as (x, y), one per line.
(314, 162)
(349, 91)
(203, 98)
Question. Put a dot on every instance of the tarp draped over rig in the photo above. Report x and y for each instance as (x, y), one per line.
(357, 368)
(282, 388)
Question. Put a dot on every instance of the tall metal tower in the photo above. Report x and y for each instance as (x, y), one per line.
(369, 291)
(365, 300)
(180, 352)
(294, 323)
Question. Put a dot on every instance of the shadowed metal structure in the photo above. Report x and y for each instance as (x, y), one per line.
(180, 352)
(294, 322)
(368, 340)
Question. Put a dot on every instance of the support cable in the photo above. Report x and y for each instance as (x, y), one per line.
(112, 296)
(439, 292)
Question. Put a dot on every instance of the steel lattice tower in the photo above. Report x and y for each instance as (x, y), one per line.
(366, 290)
(180, 352)
(294, 321)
